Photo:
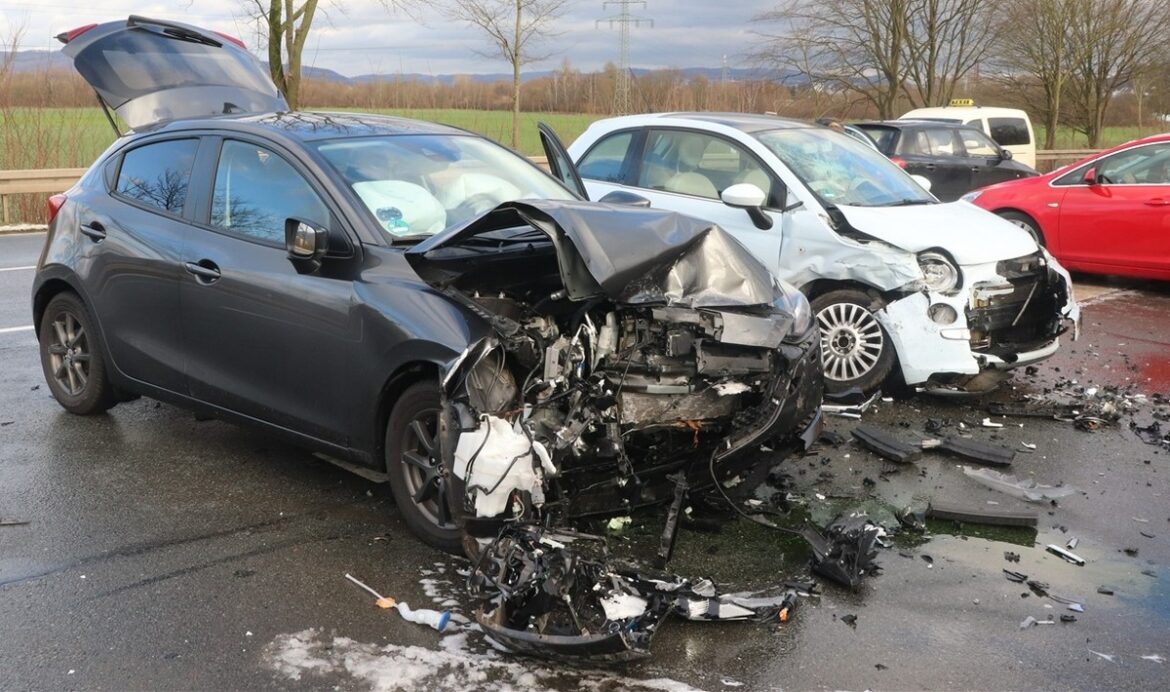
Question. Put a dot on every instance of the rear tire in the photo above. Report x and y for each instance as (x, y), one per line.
(419, 481)
(856, 352)
(1025, 222)
(71, 357)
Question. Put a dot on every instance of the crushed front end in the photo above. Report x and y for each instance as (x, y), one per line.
(1000, 315)
(598, 391)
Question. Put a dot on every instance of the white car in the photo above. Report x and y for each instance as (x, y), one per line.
(938, 296)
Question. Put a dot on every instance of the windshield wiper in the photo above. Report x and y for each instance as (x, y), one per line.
(409, 239)
(910, 202)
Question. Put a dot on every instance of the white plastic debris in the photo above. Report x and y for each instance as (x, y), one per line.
(1028, 490)
(729, 388)
(501, 459)
(622, 606)
(1028, 445)
(1156, 658)
(988, 423)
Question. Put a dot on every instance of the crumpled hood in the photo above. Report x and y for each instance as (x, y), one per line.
(970, 234)
(631, 255)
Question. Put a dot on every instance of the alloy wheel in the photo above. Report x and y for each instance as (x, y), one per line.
(426, 479)
(851, 341)
(69, 354)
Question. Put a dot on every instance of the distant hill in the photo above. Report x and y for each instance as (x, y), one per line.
(40, 60)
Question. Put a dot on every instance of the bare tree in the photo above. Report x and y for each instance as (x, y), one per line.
(9, 46)
(1120, 40)
(882, 50)
(945, 40)
(514, 28)
(1035, 53)
(287, 24)
(850, 45)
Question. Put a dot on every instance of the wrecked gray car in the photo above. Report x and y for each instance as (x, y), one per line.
(369, 287)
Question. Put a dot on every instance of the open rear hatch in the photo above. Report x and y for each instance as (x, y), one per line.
(152, 71)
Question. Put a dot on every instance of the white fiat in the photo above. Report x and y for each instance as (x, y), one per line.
(907, 290)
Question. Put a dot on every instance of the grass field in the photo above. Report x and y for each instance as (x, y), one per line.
(73, 137)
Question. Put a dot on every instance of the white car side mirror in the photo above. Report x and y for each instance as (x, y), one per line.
(744, 196)
(922, 181)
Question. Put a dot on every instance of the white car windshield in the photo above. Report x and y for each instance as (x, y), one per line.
(842, 171)
(418, 185)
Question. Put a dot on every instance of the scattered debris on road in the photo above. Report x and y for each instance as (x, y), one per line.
(1028, 490)
(422, 616)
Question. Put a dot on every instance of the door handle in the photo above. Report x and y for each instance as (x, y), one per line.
(1158, 202)
(94, 231)
(205, 271)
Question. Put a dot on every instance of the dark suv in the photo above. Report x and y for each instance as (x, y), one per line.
(371, 287)
(954, 158)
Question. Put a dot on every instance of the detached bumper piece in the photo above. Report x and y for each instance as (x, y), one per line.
(556, 594)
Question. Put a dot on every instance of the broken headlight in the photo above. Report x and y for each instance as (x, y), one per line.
(794, 303)
(939, 273)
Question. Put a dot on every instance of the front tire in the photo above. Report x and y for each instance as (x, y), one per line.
(71, 357)
(856, 352)
(1025, 222)
(420, 483)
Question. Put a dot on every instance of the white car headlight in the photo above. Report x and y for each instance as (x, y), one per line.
(971, 196)
(940, 273)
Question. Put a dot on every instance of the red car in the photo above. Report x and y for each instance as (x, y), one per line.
(1107, 214)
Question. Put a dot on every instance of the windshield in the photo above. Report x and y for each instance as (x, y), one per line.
(418, 185)
(841, 170)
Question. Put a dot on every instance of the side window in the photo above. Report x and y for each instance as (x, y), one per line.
(1009, 131)
(604, 160)
(942, 142)
(158, 174)
(256, 190)
(977, 144)
(697, 164)
(1149, 165)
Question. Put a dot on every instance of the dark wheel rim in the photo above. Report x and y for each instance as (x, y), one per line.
(851, 341)
(426, 480)
(69, 355)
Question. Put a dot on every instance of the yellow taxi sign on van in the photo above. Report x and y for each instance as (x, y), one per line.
(962, 103)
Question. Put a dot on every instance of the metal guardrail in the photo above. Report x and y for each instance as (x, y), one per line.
(47, 180)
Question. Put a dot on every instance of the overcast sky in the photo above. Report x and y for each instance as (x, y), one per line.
(360, 36)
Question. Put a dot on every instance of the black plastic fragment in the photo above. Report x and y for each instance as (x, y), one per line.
(670, 530)
(991, 516)
(846, 552)
(978, 451)
(1017, 577)
(1068, 618)
(885, 445)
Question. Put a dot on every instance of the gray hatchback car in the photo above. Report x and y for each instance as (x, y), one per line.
(390, 293)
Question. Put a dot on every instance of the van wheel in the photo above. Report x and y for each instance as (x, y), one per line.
(855, 350)
(71, 357)
(1025, 222)
(420, 483)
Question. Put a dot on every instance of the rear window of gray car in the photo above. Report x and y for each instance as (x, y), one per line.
(157, 175)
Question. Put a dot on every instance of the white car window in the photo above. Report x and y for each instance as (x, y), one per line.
(698, 164)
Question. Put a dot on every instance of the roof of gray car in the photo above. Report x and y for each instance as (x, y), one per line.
(746, 122)
(312, 125)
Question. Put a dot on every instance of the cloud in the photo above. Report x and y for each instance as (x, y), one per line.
(361, 36)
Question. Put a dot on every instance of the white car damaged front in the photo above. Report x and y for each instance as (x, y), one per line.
(961, 304)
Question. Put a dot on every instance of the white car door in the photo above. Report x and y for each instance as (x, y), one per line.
(685, 171)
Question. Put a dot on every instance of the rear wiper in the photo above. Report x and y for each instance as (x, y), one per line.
(173, 30)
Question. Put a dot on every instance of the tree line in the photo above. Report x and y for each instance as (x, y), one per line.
(1065, 61)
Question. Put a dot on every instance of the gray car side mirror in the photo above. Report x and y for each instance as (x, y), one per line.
(305, 243)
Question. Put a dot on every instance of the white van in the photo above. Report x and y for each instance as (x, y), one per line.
(1009, 127)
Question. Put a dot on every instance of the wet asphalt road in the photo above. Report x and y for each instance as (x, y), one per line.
(165, 552)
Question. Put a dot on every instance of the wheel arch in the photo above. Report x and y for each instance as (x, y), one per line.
(1035, 222)
(49, 288)
(392, 388)
(819, 287)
